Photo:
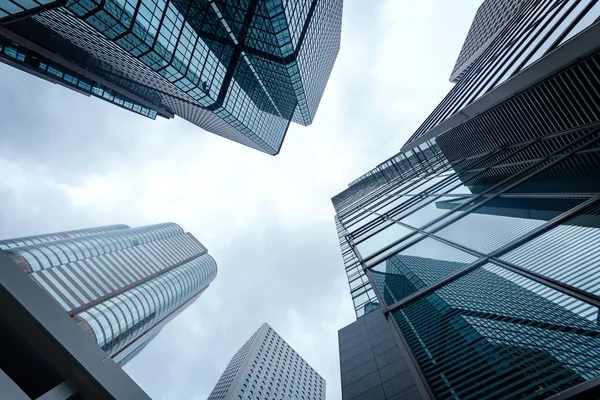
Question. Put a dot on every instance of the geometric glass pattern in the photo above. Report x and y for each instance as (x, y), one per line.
(241, 69)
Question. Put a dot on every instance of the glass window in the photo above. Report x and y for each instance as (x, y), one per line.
(502, 219)
(416, 267)
(475, 335)
(438, 207)
(382, 238)
(568, 253)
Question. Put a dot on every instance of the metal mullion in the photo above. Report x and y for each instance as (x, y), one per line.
(578, 70)
(400, 336)
(537, 125)
(358, 216)
(533, 96)
(434, 286)
(556, 103)
(564, 89)
(516, 122)
(545, 195)
(391, 245)
(527, 109)
(571, 85)
(559, 286)
(371, 207)
(363, 236)
(359, 287)
(376, 193)
(535, 232)
(185, 16)
(573, 23)
(507, 113)
(373, 224)
(590, 73)
(438, 185)
(529, 174)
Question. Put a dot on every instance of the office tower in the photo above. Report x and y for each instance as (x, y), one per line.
(489, 20)
(240, 69)
(266, 367)
(478, 241)
(45, 354)
(121, 285)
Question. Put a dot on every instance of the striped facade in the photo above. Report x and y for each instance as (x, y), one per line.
(120, 284)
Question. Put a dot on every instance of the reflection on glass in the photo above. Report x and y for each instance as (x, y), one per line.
(501, 220)
(381, 239)
(434, 210)
(424, 263)
(491, 335)
(568, 253)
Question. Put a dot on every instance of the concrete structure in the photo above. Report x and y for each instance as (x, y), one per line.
(266, 367)
(45, 354)
(373, 362)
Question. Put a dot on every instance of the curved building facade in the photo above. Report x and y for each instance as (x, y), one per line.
(120, 284)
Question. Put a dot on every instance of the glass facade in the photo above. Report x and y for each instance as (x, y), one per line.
(538, 28)
(121, 284)
(479, 242)
(240, 69)
(12, 9)
(266, 367)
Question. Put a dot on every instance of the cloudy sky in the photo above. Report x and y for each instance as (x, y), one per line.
(71, 162)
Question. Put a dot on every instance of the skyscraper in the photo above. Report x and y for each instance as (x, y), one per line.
(266, 367)
(240, 69)
(489, 20)
(120, 284)
(477, 241)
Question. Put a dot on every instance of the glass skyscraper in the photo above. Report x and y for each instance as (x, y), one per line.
(266, 367)
(240, 69)
(479, 240)
(120, 284)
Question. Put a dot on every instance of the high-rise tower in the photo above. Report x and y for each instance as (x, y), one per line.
(266, 367)
(120, 284)
(477, 241)
(240, 69)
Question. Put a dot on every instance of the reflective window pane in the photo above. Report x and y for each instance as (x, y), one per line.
(381, 239)
(568, 253)
(416, 267)
(493, 334)
(502, 219)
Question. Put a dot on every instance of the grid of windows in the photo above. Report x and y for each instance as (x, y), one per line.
(120, 284)
(240, 69)
(17, 8)
(489, 20)
(481, 244)
(55, 72)
(266, 367)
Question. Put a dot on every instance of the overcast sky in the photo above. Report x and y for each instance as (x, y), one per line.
(68, 162)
